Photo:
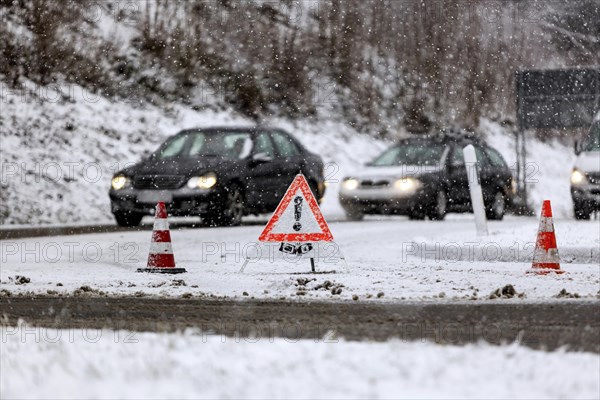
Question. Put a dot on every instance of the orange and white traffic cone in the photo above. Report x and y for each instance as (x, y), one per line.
(161, 259)
(545, 255)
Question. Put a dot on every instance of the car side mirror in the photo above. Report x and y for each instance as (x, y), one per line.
(260, 158)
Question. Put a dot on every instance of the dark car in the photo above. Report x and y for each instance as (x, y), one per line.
(585, 178)
(219, 174)
(426, 176)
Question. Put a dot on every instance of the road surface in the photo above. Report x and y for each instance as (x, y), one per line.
(574, 325)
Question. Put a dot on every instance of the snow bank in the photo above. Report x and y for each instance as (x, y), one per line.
(46, 363)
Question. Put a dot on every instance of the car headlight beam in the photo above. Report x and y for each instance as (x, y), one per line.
(350, 184)
(205, 181)
(578, 178)
(406, 184)
(119, 182)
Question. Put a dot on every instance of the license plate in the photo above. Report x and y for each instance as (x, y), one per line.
(154, 196)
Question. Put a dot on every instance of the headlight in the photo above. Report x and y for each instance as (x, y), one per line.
(407, 184)
(578, 178)
(119, 182)
(513, 186)
(205, 181)
(350, 184)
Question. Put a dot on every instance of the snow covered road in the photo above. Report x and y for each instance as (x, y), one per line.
(393, 257)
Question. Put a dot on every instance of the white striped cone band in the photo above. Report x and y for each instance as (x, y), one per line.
(546, 225)
(161, 224)
(161, 248)
(542, 256)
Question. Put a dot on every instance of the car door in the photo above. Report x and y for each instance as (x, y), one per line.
(458, 187)
(289, 160)
(502, 174)
(262, 188)
(487, 174)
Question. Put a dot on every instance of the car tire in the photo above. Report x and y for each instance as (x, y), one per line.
(440, 207)
(127, 218)
(233, 210)
(497, 208)
(354, 215)
(582, 212)
(314, 188)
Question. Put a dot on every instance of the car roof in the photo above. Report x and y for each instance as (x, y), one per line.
(445, 138)
(224, 129)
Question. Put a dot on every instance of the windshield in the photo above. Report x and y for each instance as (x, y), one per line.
(201, 144)
(410, 154)
(592, 141)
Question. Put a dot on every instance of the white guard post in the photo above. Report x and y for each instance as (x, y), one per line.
(475, 190)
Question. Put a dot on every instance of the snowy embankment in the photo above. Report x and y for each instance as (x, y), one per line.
(58, 156)
(111, 364)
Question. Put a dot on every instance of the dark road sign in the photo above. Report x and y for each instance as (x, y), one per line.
(555, 99)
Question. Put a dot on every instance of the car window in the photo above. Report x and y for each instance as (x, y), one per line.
(410, 154)
(264, 145)
(235, 144)
(482, 158)
(196, 144)
(173, 146)
(457, 156)
(495, 158)
(592, 141)
(285, 146)
(225, 144)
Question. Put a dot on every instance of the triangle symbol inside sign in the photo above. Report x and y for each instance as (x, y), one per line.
(298, 217)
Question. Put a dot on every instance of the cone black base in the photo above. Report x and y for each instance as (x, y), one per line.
(162, 270)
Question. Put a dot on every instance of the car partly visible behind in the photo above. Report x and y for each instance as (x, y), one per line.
(585, 178)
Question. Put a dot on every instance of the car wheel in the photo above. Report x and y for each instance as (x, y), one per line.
(233, 210)
(127, 218)
(354, 215)
(581, 211)
(440, 207)
(314, 188)
(497, 208)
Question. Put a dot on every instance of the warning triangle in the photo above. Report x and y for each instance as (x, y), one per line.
(297, 218)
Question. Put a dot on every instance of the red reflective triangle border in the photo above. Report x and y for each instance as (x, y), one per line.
(325, 234)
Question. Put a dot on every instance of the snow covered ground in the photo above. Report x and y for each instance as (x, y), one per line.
(46, 363)
(400, 258)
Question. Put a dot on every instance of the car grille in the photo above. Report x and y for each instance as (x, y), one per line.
(374, 183)
(593, 178)
(158, 182)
